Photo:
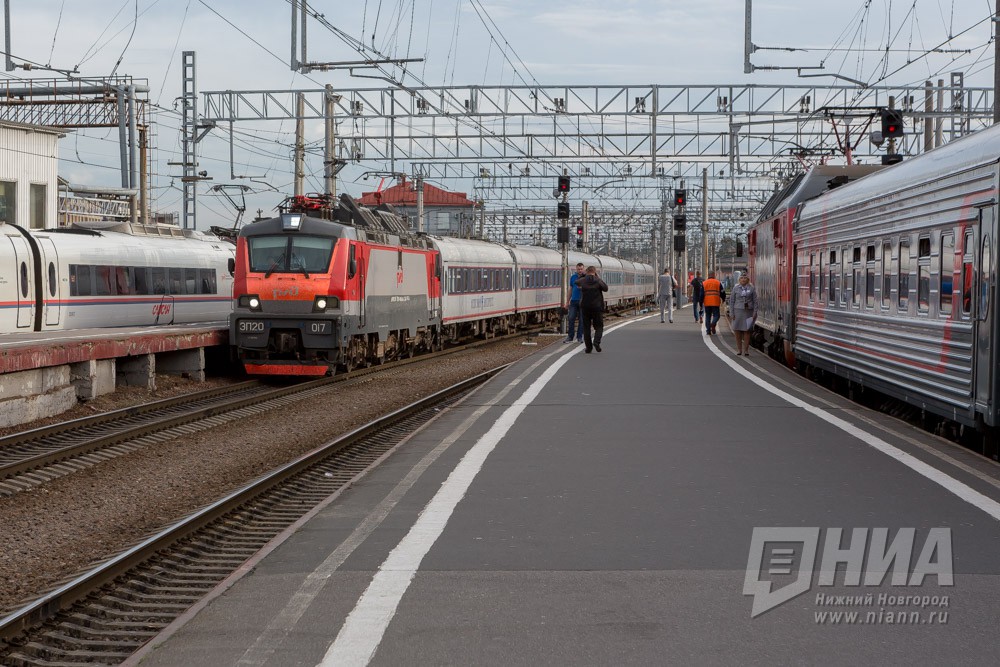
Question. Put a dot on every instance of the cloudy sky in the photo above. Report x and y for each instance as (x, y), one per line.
(244, 45)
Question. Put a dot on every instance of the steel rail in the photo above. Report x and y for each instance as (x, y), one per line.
(46, 607)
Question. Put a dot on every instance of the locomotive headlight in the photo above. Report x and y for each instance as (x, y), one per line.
(322, 303)
(251, 301)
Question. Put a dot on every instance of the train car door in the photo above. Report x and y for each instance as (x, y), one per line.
(362, 291)
(984, 294)
(437, 285)
(50, 283)
(24, 282)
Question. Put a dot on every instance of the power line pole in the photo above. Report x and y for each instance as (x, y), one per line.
(704, 222)
(420, 202)
(330, 166)
(300, 145)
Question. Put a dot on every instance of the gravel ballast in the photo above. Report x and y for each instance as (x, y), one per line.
(56, 530)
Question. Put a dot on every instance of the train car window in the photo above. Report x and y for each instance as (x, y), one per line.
(812, 276)
(267, 253)
(985, 279)
(820, 296)
(886, 274)
(207, 281)
(103, 284)
(24, 280)
(903, 298)
(870, 276)
(158, 279)
(82, 275)
(52, 279)
(968, 275)
(312, 254)
(141, 276)
(833, 276)
(923, 274)
(946, 271)
(123, 280)
(845, 274)
(176, 284)
(191, 281)
(856, 286)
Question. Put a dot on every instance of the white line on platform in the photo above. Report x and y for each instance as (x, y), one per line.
(286, 620)
(963, 491)
(362, 632)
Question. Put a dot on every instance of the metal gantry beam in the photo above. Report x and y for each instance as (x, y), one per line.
(621, 144)
(645, 125)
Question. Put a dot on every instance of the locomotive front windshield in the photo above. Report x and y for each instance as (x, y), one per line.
(290, 254)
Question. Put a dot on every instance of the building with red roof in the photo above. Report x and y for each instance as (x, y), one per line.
(446, 213)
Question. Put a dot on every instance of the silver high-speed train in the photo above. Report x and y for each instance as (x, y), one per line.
(80, 278)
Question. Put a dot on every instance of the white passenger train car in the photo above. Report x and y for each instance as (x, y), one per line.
(613, 272)
(74, 279)
(539, 282)
(477, 279)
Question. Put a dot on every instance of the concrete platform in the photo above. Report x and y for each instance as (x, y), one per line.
(45, 373)
(607, 509)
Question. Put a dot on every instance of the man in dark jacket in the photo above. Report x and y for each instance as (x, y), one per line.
(592, 307)
(698, 296)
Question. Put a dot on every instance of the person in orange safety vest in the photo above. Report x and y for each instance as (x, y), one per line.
(715, 296)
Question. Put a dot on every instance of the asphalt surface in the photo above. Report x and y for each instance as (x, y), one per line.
(613, 523)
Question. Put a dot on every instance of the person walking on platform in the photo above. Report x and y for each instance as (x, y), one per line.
(665, 294)
(574, 327)
(698, 297)
(743, 312)
(715, 295)
(592, 307)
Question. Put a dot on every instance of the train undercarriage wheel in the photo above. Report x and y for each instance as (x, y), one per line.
(354, 356)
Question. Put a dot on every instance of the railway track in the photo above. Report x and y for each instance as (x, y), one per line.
(106, 614)
(34, 457)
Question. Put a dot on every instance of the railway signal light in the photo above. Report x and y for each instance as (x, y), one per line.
(563, 184)
(680, 197)
(562, 210)
(579, 236)
(562, 234)
(892, 123)
(680, 223)
(679, 245)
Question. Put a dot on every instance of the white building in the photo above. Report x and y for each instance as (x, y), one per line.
(29, 162)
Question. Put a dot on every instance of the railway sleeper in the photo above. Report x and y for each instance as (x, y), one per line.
(32, 652)
(87, 623)
(74, 634)
(102, 644)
